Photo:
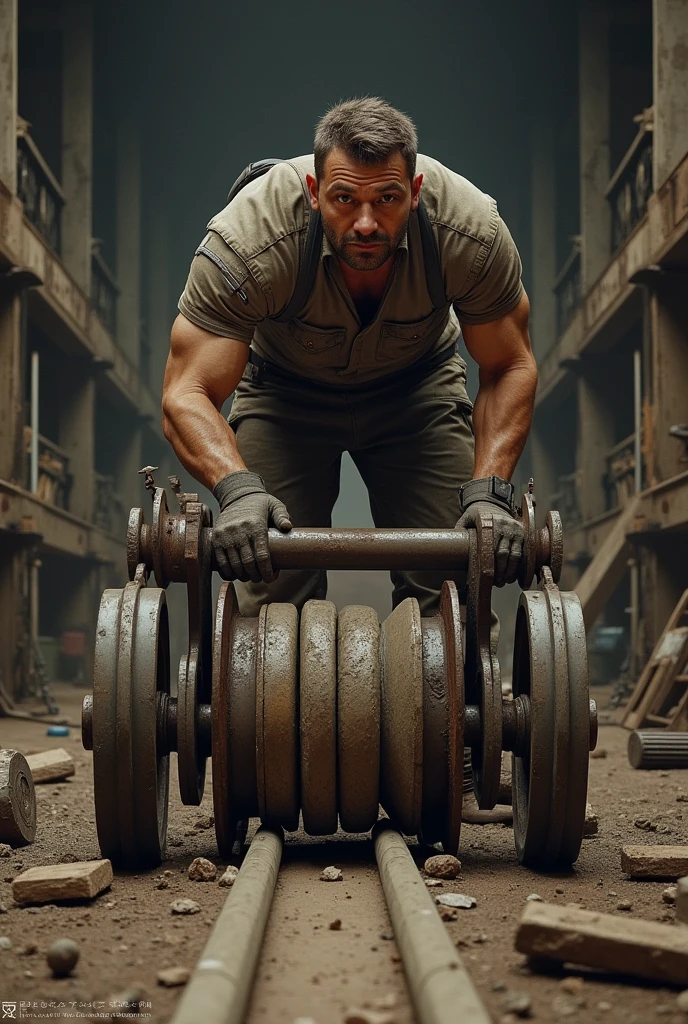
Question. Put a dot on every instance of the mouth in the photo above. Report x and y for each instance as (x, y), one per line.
(366, 245)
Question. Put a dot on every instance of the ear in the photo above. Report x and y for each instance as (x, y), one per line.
(415, 191)
(312, 184)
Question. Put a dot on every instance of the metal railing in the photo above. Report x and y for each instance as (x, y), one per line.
(39, 190)
(631, 185)
(565, 500)
(619, 478)
(104, 292)
(54, 478)
(567, 290)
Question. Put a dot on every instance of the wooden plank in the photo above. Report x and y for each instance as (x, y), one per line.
(655, 861)
(605, 572)
(643, 949)
(634, 719)
(635, 714)
(49, 882)
(50, 765)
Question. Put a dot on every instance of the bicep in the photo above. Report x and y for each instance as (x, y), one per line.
(501, 344)
(203, 363)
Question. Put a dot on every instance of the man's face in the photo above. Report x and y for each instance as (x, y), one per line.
(364, 207)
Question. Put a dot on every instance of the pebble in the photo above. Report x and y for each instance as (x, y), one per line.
(336, 925)
(669, 894)
(604, 1006)
(534, 898)
(5, 942)
(3, 908)
(498, 986)
(645, 824)
(184, 907)
(162, 883)
(202, 870)
(682, 1001)
(331, 874)
(229, 876)
(5, 850)
(559, 891)
(624, 905)
(356, 1016)
(173, 976)
(432, 883)
(518, 1003)
(62, 957)
(572, 985)
(457, 900)
(204, 822)
(565, 1006)
(442, 866)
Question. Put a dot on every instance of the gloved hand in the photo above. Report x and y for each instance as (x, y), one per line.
(508, 538)
(240, 536)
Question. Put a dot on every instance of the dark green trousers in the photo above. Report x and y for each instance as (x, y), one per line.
(412, 442)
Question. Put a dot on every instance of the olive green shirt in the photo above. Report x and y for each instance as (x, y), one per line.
(258, 237)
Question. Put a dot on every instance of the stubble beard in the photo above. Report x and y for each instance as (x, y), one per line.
(361, 259)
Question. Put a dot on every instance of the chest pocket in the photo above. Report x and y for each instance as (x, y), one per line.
(317, 346)
(401, 339)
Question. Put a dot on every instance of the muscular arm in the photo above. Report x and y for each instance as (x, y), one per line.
(508, 378)
(202, 372)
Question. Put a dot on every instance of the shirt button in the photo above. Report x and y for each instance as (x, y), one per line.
(415, 337)
(310, 344)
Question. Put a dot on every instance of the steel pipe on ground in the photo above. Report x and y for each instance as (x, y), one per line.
(440, 986)
(220, 986)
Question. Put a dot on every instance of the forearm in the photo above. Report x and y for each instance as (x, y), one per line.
(502, 417)
(202, 439)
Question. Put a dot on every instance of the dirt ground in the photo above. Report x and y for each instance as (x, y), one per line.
(310, 972)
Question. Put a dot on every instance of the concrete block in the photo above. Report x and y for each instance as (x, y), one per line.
(655, 861)
(51, 882)
(50, 765)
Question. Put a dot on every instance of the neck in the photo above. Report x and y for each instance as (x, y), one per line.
(366, 282)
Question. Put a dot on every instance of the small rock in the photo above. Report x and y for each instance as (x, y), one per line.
(6, 849)
(204, 822)
(498, 986)
(599, 752)
(387, 936)
(566, 1006)
(432, 883)
(590, 825)
(331, 874)
(534, 898)
(336, 925)
(356, 1016)
(162, 883)
(574, 986)
(447, 914)
(669, 895)
(645, 824)
(170, 977)
(62, 957)
(624, 905)
(5, 942)
(29, 949)
(559, 891)
(682, 1001)
(202, 870)
(612, 893)
(518, 1003)
(604, 1006)
(3, 908)
(229, 876)
(184, 907)
(442, 866)
(682, 798)
(457, 900)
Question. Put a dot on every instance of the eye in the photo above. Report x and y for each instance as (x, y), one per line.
(344, 199)
(388, 198)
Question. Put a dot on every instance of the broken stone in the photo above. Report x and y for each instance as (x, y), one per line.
(62, 957)
(49, 882)
(184, 907)
(5, 850)
(331, 874)
(442, 866)
(229, 877)
(669, 894)
(173, 976)
(202, 870)
(534, 898)
(518, 1003)
(456, 900)
(432, 883)
(645, 824)
(336, 925)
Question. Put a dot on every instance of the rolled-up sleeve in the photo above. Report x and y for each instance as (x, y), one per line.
(221, 295)
(494, 287)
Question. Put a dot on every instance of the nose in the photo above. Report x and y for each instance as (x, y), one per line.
(365, 223)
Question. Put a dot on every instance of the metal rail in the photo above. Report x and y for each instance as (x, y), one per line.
(220, 987)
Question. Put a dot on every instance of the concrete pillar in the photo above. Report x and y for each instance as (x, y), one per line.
(593, 84)
(128, 240)
(670, 372)
(670, 84)
(9, 48)
(10, 387)
(595, 438)
(77, 437)
(77, 139)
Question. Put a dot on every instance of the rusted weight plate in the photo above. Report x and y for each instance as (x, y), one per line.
(358, 717)
(223, 805)
(318, 717)
(483, 680)
(435, 774)
(401, 761)
(276, 716)
(17, 800)
(579, 736)
(195, 668)
(450, 614)
(130, 767)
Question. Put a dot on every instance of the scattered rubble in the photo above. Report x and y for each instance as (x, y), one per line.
(170, 977)
(645, 824)
(457, 900)
(202, 870)
(62, 957)
(74, 881)
(50, 765)
(184, 906)
(229, 876)
(331, 874)
(655, 861)
(442, 866)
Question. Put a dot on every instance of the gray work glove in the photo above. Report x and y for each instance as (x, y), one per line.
(508, 538)
(240, 536)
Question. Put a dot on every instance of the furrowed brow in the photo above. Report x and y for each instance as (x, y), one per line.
(393, 186)
(339, 186)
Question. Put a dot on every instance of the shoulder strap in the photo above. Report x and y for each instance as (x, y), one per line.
(308, 268)
(431, 259)
(250, 173)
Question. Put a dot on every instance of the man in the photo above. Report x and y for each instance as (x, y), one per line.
(367, 365)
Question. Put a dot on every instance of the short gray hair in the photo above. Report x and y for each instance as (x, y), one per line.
(368, 130)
